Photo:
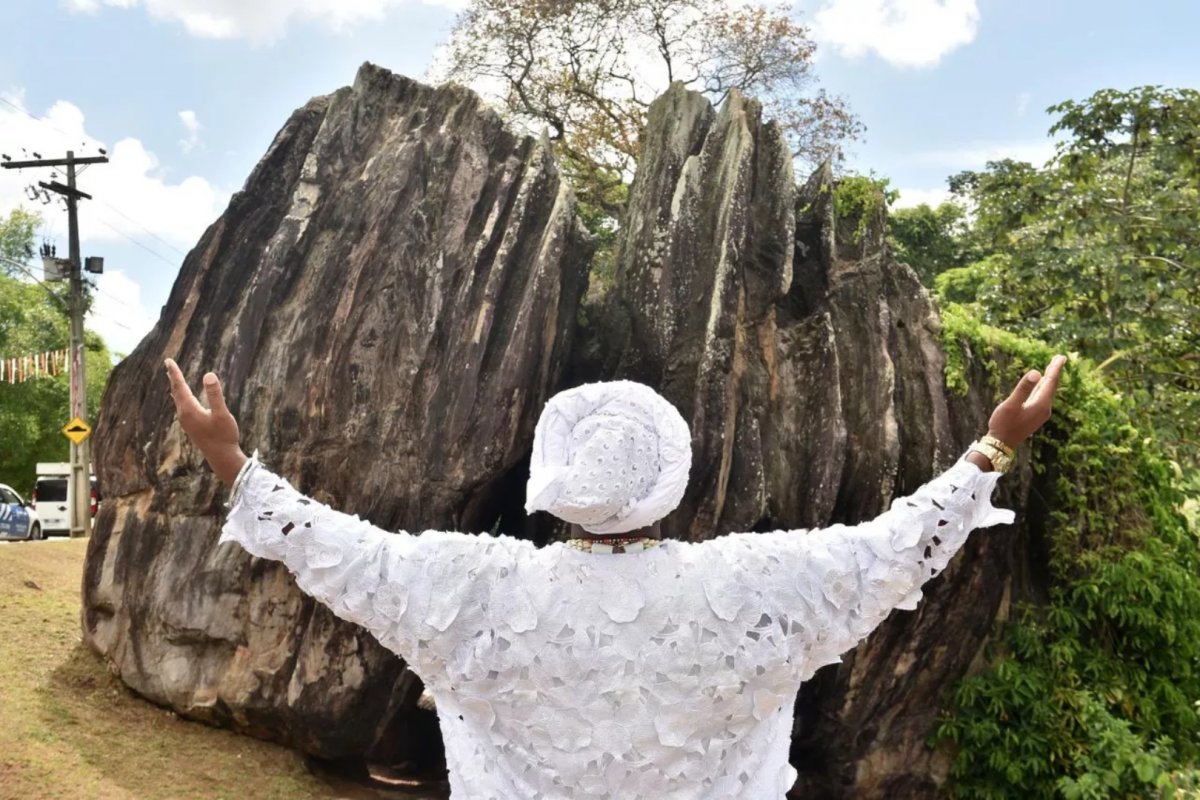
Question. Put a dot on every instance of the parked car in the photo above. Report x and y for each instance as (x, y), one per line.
(51, 498)
(17, 519)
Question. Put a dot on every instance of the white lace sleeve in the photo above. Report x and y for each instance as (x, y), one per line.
(829, 588)
(408, 591)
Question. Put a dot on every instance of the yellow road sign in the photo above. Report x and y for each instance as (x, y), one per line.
(77, 430)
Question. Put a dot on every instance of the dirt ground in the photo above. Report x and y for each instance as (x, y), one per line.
(72, 730)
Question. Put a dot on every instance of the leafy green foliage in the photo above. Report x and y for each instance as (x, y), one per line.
(1093, 694)
(33, 413)
(1006, 196)
(930, 240)
(861, 197)
(595, 215)
(966, 284)
(1101, 250)
(16, 239)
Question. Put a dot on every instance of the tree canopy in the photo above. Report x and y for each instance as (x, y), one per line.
(1089, 688)
(33, 319)
(587, 70)
(16, 240)
(1098, 252)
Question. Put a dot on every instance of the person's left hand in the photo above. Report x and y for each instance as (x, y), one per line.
(1028, 407)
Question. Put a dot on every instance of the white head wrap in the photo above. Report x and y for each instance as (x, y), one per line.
(610, 457)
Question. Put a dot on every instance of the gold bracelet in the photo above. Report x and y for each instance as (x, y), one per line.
(1001, 461)
(999, 445)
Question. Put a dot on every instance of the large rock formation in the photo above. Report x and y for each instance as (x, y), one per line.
(390, 300)
(392, 297)
(809, 366)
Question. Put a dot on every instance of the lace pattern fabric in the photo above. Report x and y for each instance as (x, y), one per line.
(668, 673)
(610, 457)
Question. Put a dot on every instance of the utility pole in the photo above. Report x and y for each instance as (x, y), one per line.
(81, 483)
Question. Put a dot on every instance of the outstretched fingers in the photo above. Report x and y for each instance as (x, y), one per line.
(1046, 389)
(1025, 387)
(185, 401)
(216, 397)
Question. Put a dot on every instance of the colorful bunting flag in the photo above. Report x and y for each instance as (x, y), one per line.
(38, 365)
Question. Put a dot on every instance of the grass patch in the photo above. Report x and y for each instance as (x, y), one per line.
(73, 730)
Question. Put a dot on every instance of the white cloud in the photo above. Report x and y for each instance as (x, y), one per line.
(914, 197)
(189, 120)
(132, 181)
(905, 33)
(975, 155)
(118, 313)
(259, 21)
(90, 6)
(133, 200)
(1023, 103)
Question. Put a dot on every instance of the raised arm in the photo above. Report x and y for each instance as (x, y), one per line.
(400, 587)
(213, 430)
(834, 586)
(336, 558)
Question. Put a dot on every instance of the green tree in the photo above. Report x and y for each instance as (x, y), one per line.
(1092, 693)
(1004, 197)
(587, 70)
(34, 320)
(16, 240)
(930, 240)
(1100, 251)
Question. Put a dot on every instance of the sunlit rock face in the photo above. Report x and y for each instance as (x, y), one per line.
(808, 363)
(390, 300)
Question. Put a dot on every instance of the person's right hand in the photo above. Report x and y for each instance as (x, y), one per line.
(215, 431)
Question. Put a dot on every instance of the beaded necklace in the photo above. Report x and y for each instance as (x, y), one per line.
(613, 545)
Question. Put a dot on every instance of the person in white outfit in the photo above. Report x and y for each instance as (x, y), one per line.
(616, 664)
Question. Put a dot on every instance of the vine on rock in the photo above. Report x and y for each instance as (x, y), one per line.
(1093, 694)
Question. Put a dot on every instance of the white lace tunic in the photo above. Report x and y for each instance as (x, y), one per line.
(667, 673)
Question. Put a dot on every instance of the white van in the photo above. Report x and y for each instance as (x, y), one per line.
(51, 498)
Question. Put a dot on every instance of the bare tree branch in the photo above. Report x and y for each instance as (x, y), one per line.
(586, 67)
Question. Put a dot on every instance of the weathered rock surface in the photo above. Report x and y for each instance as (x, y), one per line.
(391, 299)
(807, 362)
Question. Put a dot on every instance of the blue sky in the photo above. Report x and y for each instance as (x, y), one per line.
(942, 85)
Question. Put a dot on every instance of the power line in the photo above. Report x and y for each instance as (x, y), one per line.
(40, 119)
(112, 319)
(49, 229)
(153, 252)
(112, 297)
(57, 299)
(94, 286)
(143, 227)
(130, 238)
(33, 276)
(27, 113)
(115, 299)
(36, 279)
(83, 169)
